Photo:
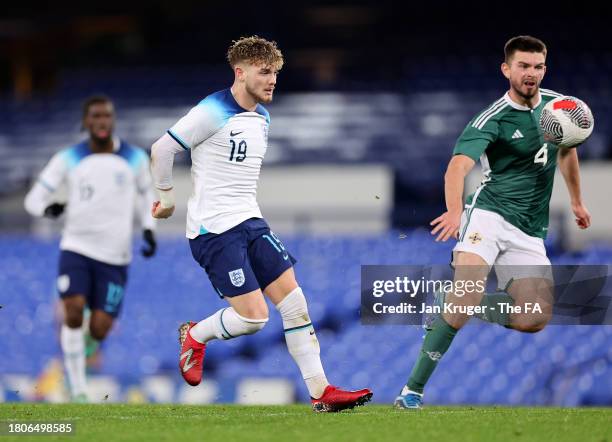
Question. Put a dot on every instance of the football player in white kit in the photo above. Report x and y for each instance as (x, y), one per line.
(108, 181)
(227, 136)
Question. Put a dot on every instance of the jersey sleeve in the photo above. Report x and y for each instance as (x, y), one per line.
(476, 138)
(54, 172)
(162, 160)
(144, 194)
(43, 191)
(199, 124)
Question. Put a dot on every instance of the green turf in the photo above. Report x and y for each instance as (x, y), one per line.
(111, 422)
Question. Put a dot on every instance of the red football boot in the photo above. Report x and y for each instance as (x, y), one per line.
(334, 399)
(192, 355)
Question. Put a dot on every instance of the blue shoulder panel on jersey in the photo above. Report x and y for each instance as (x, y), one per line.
(263, 111)
(225, 106)
(132, 154)
(73, 155)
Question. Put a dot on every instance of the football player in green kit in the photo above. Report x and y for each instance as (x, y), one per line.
(504, 222)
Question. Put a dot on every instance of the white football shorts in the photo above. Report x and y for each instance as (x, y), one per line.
(514, 254)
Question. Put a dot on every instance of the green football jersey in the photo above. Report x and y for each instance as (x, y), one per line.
(518, 166)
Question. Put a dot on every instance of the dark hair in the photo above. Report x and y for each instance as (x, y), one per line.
(94, 99)
(523, 43)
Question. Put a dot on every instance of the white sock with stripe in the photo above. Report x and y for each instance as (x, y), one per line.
(73, 346)
(302, 341)
(225, 324)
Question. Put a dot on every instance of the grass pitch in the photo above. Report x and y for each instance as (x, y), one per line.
(110, 422)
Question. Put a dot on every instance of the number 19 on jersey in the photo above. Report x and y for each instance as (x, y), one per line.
(239, 151)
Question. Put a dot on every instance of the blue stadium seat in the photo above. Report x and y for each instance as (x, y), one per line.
(561, 365)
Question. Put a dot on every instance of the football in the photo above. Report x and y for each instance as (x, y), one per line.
(566, 121)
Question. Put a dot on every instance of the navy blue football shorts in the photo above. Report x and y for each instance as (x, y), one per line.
(102, 284)
(242, 259)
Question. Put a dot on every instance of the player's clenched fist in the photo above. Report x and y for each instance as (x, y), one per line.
(161, 212)
(164, 208)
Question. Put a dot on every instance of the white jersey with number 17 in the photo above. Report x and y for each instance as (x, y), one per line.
(105, 190)
(227, 145)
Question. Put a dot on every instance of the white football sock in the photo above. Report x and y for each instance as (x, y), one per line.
(302, 341)
(73, 346)
(225, 324)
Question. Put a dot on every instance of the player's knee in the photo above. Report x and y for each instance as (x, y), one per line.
(252, 325)
(73, 316)
(100, 324)
(258, 311)
(74, 320)
(529, 326)
(294, 309)
(99, 331)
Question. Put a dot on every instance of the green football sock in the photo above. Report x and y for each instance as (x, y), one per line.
(493, 312)
(436, 342)
(91, 345)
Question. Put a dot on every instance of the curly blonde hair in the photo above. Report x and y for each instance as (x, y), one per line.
(255, 50)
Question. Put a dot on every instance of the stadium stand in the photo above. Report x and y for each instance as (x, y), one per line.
(405, 112)
(562, 365)
(330, 127)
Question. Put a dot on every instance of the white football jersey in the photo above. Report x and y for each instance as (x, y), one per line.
(227, 145)
(104, 192)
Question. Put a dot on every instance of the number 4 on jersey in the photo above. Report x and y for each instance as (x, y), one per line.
(542, 155)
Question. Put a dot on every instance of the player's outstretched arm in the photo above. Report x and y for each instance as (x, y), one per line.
(570, 169)
(40, 199)
(447, 224)
(39, 202)
(191, 130)
(162, 160)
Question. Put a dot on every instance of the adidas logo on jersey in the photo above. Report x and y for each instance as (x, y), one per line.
(517, 134)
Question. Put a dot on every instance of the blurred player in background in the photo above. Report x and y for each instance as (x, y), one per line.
(227, 135)
(107, 181)
(505, 221)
